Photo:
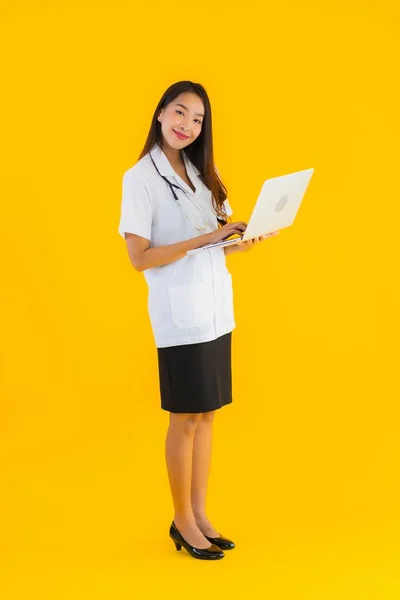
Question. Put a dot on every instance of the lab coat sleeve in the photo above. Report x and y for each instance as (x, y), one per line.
(227, 206)
(136, 207)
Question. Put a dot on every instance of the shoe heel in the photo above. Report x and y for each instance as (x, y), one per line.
(210, 553)
(178, 545)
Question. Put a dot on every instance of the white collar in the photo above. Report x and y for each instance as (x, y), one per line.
(163, 164)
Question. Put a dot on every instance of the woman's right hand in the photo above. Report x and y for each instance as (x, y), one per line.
(226, 231)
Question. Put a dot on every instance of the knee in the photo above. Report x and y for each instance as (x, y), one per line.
(209, 416)
(186, 421)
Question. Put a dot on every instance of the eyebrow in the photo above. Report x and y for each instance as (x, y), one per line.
(185, 107)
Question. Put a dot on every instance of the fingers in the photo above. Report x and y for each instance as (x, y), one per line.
(233, 232)
(267, 235)
(241, 224)
(252, 242)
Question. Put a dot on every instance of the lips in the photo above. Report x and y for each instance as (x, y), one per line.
(180, 136)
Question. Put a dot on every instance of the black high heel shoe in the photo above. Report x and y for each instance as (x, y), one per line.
(211, 553)
(221, 542)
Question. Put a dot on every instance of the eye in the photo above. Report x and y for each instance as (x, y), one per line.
(179, 111)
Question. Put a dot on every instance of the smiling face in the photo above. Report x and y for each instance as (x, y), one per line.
(183, 115)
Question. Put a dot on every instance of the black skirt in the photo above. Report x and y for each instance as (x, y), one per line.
(196, 378)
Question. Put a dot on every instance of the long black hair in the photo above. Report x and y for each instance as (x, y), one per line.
(200, 152)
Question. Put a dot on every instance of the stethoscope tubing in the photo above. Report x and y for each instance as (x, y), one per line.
(172, 185)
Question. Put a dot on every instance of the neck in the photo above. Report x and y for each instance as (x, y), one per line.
(174, 156)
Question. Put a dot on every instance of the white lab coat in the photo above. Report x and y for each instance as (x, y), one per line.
(189, 300)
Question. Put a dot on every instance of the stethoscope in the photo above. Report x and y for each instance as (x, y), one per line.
(203, 228)
(172, 186)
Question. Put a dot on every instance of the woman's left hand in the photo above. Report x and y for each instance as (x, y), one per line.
(249, 245)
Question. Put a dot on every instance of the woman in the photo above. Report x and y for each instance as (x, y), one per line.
(174, 201)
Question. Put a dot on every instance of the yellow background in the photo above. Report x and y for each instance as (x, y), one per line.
(305, 468)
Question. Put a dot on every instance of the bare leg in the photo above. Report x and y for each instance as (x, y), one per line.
(178, 452)
(202, 446)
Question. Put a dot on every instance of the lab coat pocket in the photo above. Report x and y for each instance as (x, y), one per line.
(191, 305)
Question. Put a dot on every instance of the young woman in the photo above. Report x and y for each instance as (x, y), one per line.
(173, 201)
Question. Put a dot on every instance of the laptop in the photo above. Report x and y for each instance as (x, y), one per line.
(276, 207)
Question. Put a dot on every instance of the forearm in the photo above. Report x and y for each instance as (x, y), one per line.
(163, 255)
(232, 249)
